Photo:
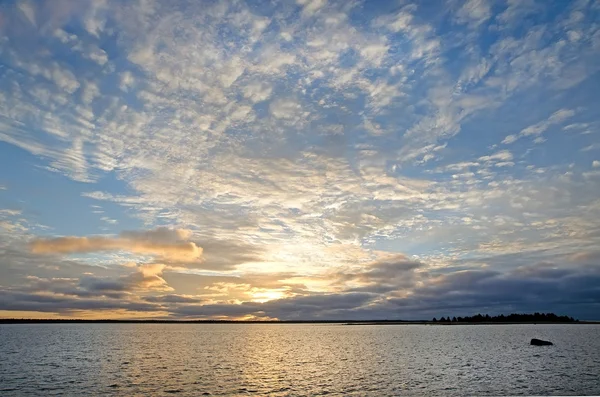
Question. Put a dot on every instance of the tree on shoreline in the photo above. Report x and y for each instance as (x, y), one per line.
(511, 318)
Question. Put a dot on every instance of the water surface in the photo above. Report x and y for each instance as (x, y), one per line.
(290, 360)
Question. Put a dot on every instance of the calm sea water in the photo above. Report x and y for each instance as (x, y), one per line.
(215, 359)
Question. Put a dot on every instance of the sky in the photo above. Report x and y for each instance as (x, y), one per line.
(305, 160)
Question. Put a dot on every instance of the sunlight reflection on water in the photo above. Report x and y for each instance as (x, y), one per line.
(257, 359)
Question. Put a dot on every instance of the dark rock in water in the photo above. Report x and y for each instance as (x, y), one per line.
(539, 342)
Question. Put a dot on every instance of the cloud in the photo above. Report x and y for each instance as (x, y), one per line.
(284, 108)
(304, 147)
(382, 276)
(556, 117)
(226, 254)
(127, 80)
(515, 10)
(460, 293)
(23, 302)
(311, 6)
(172, 299)
(10, 212)
(257, 92)
(503, 155)
(474, 12)
(536, 129)
(510, 139)
(593, 146)
(591, 257)
(165, 243)
(395, 285)
(146, 278)
(28, 11)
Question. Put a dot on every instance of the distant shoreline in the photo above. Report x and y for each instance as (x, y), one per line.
(339, 322)
(468, 323)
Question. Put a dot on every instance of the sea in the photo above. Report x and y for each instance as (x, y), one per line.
(297, 360)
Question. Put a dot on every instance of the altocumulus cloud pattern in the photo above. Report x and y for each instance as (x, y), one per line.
(308, 160)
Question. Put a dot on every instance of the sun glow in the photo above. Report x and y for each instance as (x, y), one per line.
(267, 295)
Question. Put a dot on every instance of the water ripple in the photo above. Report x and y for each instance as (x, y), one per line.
(294, 360)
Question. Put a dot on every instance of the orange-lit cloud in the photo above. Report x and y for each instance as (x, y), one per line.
(148, 277)
(161, 242)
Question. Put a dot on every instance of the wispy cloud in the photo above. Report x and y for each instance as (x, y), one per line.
(536, 129)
